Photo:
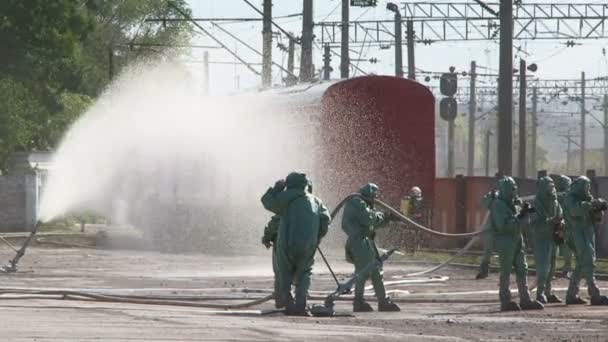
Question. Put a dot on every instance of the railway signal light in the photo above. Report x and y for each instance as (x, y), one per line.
(448, 84)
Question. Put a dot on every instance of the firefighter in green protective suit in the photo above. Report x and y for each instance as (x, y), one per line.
(269, 240)
(584, 213)
(548, 232)
(562, 186)
(304, 220)
(505, 216)
(359, 222)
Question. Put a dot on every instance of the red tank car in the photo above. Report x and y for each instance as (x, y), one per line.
(378, 129)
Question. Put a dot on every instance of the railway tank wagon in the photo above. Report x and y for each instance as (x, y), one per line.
(379, 129)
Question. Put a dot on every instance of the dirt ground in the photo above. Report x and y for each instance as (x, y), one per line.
(455, 317)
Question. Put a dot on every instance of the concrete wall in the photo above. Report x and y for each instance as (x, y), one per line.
(12, 203)
(18, 202)
(457, 205)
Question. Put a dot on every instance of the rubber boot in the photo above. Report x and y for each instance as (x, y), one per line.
(484, 269)
(599, 300)
(552, 298)
(575, 301)
(281, 302)
(541, 298)
(360, 305)
(387, 305)
(524, 296)
(509, 306)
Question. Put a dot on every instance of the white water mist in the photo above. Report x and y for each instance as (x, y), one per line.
(152, 148)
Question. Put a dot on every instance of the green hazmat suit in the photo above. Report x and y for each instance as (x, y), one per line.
(304, 221)
(562, 186)
(269, 239)
(579, 205)
(548, 214)
(509, 242)
(359, 222)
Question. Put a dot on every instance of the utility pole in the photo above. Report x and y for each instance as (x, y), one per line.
(411, 65)
(605, 105)
(472, 111)
(398, 46)
(267, 44)
(488, 135)
(206, 68)
(344, 59)
(291, 51)
(521, 164)
(534, 127)
(583, 124)
(398, 39)
(110, 63)
(326, 62)
(306, 72)
(568, 152)
(505, 90)
(451, 125)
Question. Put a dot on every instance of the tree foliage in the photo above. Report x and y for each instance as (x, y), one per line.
(56, 55)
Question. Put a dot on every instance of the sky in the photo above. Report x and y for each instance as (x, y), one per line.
(554, 59)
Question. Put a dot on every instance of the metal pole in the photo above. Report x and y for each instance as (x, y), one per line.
(110, 63)
(411, 65)
(488, 134)
(568, 153)
(344, 58)
(398, 46)
(267, 44)
(472, 111)
(521, 164)
(206, 68)
(605, 134)
(534, 127)
(583, 124)
(326, 62)
(306, 72)
(505, 90)
(451, 125)
(291, 51)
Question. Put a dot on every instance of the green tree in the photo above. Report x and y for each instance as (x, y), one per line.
(54, 60)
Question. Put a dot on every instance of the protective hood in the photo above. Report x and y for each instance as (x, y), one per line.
(369, 190)
(415, 192)
(296, 180)
(507, 189)
(563, 183)
(546, 190)
(581, 187)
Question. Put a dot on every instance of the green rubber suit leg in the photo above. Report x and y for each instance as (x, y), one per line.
(553, 256)
(302, 282)
(363, 254)
(543, 252)
(505, 248)
(567, 254)
(511, 255)
(584, 241)
(285, 276)
(488, 247)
